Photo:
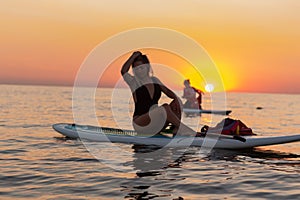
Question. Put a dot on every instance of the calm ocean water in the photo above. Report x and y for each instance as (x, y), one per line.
(38, 163)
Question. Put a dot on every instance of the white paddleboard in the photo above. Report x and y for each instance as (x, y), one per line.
(102, 134)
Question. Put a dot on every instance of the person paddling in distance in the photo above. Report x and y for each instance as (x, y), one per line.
(189, 93)
(148, 116)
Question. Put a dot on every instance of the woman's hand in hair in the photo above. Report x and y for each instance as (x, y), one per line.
(136, 54)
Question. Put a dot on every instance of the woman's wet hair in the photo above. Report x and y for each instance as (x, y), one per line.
(143, 58)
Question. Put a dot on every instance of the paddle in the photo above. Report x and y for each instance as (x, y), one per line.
(204, 132)
(235, 137)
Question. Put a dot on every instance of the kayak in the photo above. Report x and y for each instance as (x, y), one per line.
(105, 134)
(200, 111)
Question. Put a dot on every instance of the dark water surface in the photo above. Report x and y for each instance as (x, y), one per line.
(38, 163)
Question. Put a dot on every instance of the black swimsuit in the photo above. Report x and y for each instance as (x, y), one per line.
(143, 101)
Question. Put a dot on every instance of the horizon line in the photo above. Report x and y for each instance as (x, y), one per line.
(124, 87)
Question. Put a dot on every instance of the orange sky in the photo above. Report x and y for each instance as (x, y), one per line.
(254, 44)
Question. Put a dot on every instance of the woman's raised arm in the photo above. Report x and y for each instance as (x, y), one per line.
(126, 66)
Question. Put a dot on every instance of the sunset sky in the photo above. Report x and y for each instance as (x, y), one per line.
(254, 44)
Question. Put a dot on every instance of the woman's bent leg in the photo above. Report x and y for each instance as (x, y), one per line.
(178, 113)
(153, 122)
(180, 128)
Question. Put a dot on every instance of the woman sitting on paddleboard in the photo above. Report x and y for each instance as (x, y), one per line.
(148, 117)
